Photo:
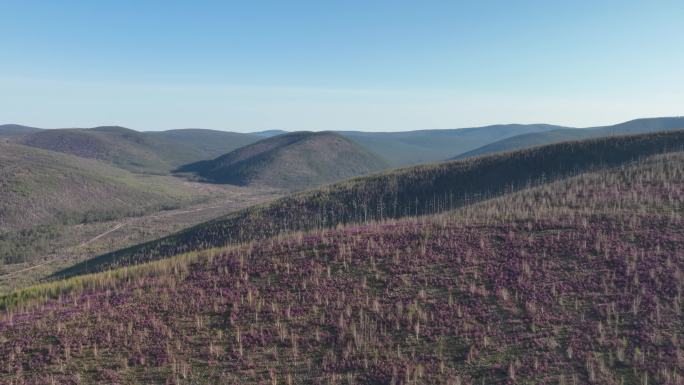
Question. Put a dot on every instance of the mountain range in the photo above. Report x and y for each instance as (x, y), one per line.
(163, 151)
(557, 135)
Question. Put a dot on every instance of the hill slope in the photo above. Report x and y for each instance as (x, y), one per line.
(157, 152)
(518, 142)
(10, 131)
(418, 190)
(40, 188)
(424, 146)
(120, 146)
(207, 144)
(581, 283)
(292, 161)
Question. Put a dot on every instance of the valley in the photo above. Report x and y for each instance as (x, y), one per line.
(70, 244)
(408, 192)
(305, 258)
(570, 281)
(342, 192)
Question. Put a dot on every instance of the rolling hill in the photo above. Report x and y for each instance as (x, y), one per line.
(206, 144)
(11, 131)
(425, 146)
(122, 147)
(147, 152)
(573, 282)
(419, 190)
(637, 126)
(42, 190)
(162, 151)
(290, 161)
(192, 145)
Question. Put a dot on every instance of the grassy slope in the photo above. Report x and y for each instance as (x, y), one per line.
(412, 191)
(578, 281)
(293, 161)
(136, 151)
(414, 147)
(39, 187)
(522, 141)
(40, 251)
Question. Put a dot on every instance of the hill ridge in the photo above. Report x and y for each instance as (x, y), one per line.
(419, 190)
(293, 161)
(575, 281)
(146, 152)
(527, 140)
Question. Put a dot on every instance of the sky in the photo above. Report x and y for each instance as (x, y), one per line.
(339, 65)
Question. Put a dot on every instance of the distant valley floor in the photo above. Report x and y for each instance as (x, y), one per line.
(80, 242)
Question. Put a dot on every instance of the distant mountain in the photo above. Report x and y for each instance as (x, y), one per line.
(518, 142)
(16, 130)
(292, 161)
(639, 126)
(207, 143)
(163, 151)
(148, 152)
(125, 148)
(269, 133)
(414, 147)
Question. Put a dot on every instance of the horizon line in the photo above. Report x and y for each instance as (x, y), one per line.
(363, 131)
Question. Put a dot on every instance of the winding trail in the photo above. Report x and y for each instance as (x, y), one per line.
(118, 226)
(23, 270)
(95, 238)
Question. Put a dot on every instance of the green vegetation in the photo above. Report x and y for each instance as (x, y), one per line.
(41, 190)
(557, 264)
(38, 252)
(425, 146)
(20, 246)
(206, 144)
(518, 142)
(419, 190)
(290, 161)
(162, 151)
(154, 152)
(575, 281)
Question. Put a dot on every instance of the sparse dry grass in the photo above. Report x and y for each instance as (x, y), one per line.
(578, 281)
(421, 190)
(79, 242)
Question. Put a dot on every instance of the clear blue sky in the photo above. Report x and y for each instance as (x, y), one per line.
(367, 65)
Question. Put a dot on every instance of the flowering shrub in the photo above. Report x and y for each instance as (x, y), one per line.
(414, 191)
(579, 281)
